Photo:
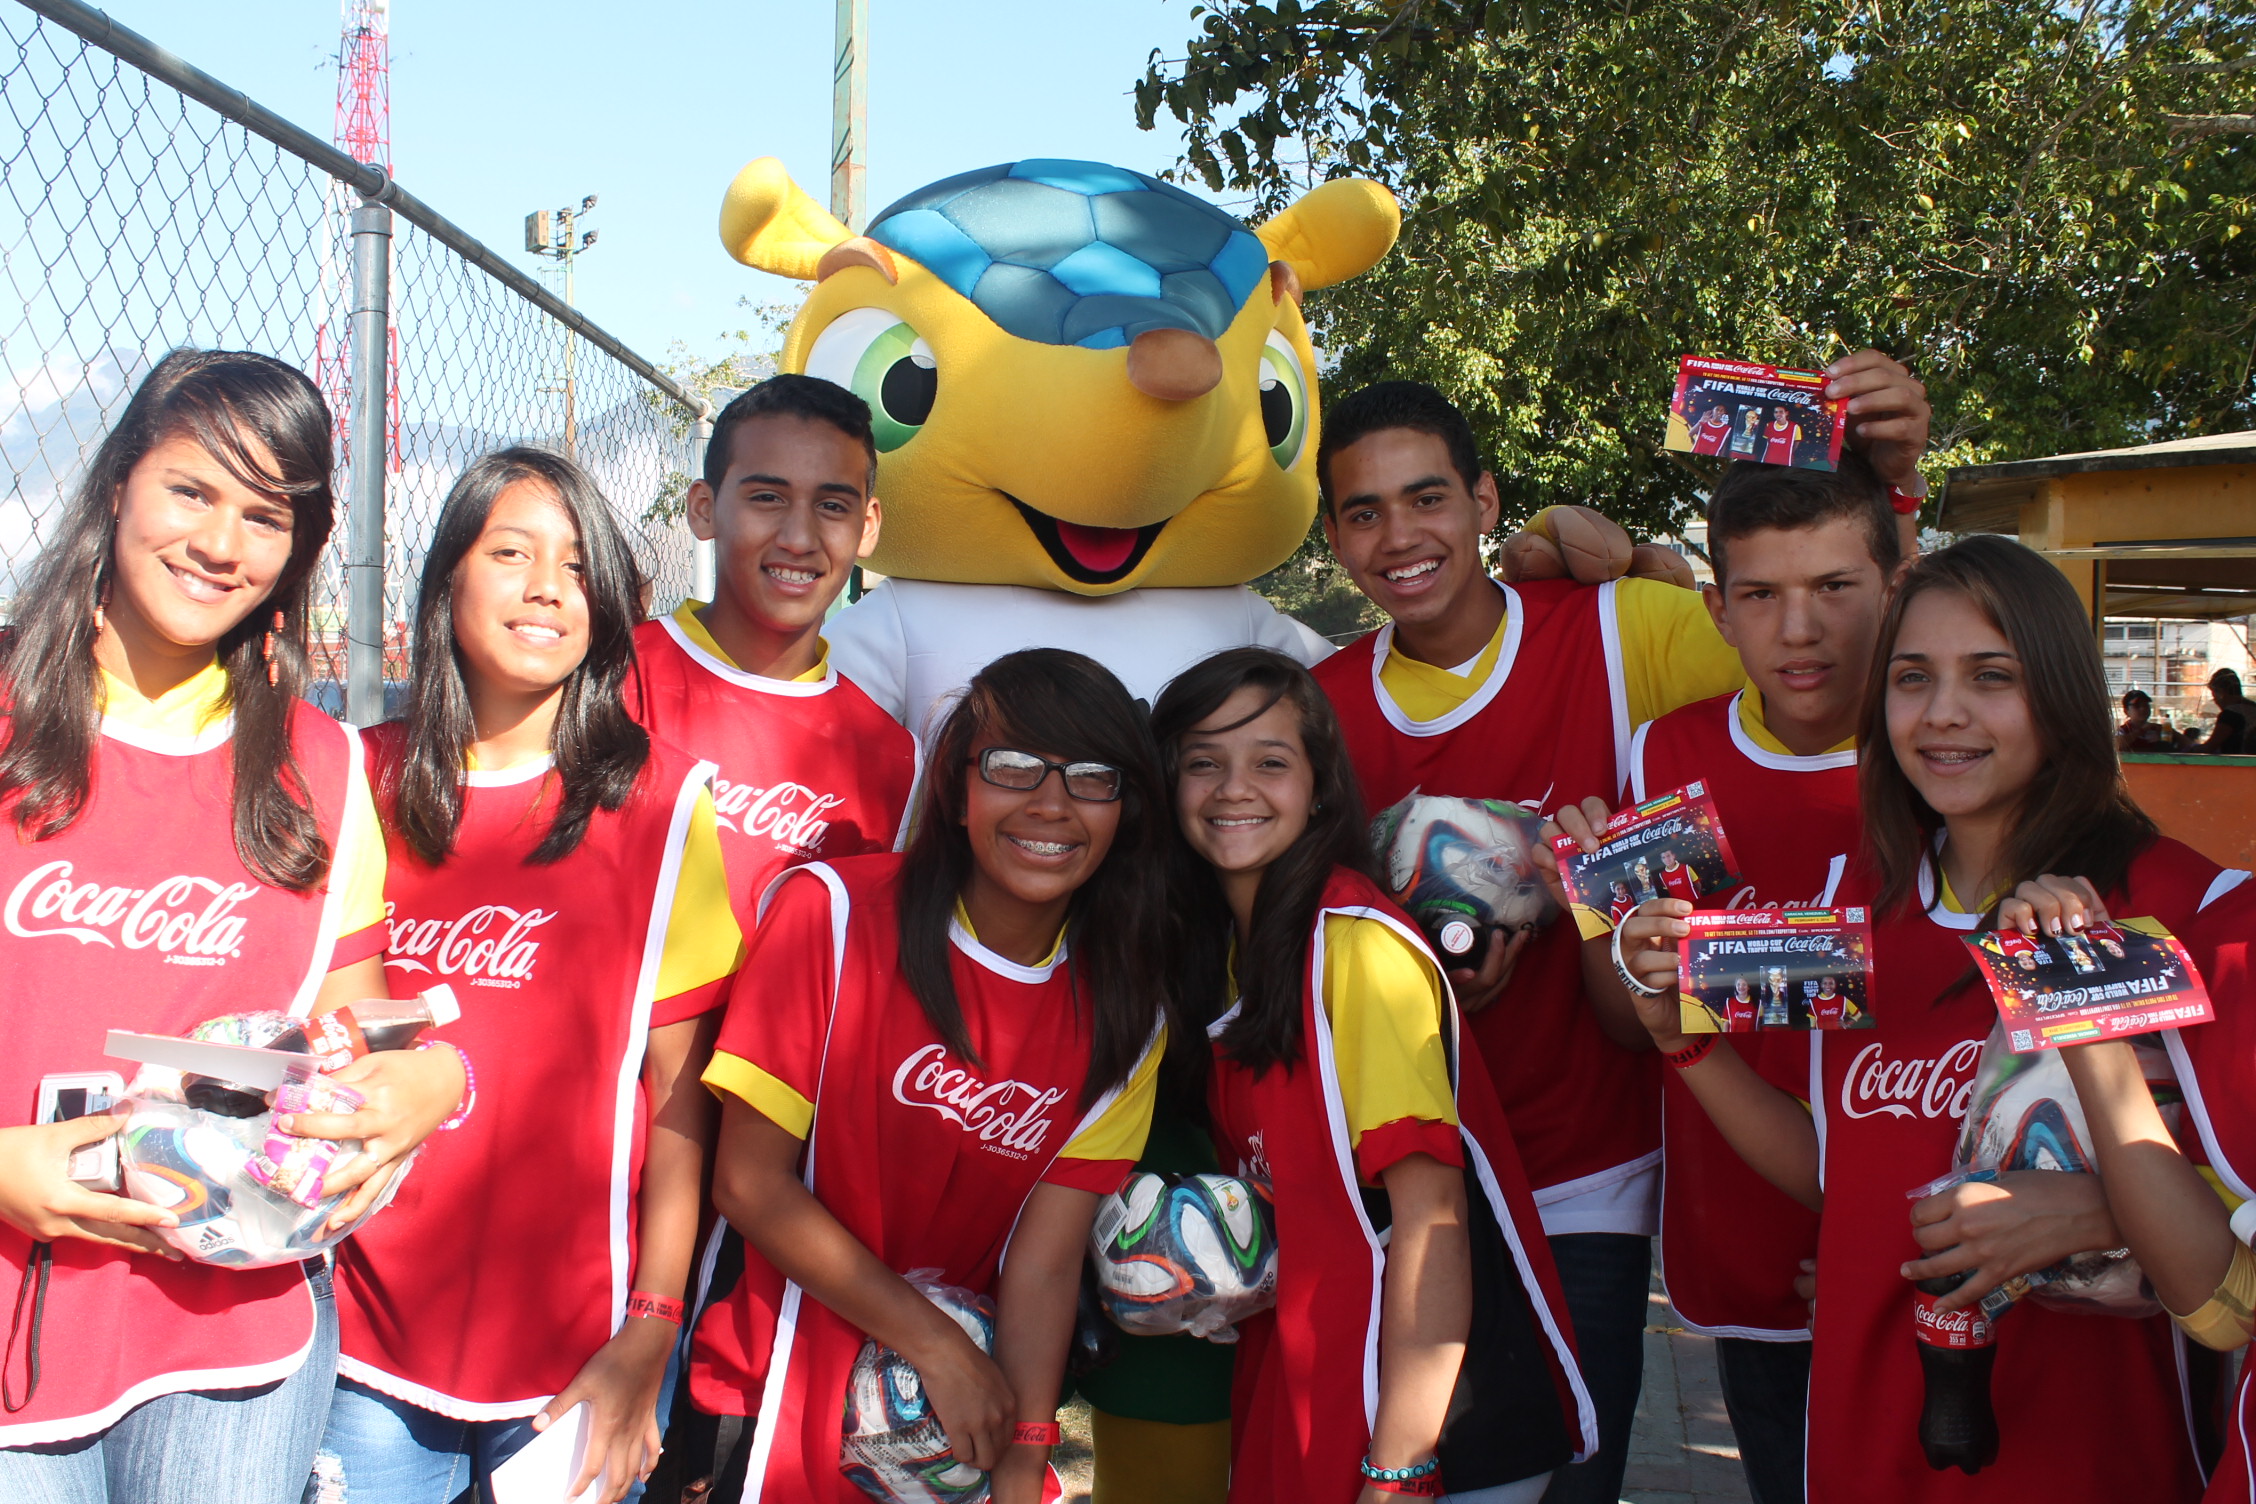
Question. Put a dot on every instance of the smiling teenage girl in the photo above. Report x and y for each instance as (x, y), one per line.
(560, 870)
(185, 838)
(1999, 766)
(1337, 1078)
(932, 1055)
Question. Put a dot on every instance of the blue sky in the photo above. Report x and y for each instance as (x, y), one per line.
(500, 108)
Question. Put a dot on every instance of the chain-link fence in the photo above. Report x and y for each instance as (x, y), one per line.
(144, 206)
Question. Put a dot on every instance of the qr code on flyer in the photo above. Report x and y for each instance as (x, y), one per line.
(1741, 410)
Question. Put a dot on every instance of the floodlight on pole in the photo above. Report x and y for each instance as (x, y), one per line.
(556, 234)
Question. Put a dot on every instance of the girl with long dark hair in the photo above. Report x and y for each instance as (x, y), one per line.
(1419, 1338)
(562, 873)
(186, 837)
(934, 1054)
(1989, 761)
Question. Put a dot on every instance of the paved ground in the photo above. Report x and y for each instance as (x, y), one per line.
(1682, 1453)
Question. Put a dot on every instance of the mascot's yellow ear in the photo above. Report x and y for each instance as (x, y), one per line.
(1335, 232)
(768, 222)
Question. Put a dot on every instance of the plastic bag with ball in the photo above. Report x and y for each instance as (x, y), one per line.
(1461, 868)
(892, 1446)
(1185, 1253)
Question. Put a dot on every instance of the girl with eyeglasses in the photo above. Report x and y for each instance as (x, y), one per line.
(932, 1055)
(1419, 1340)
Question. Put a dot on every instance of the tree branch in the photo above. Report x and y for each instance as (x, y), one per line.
(2211, 125)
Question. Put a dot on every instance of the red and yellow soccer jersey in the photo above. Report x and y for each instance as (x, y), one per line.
(1709, 434)
(809, 769)
(142, 916)
(924, 1157)
(1890, 1105)
(1677, 882)
(1541, 718)
(1731, 1242)
(562, 969)
(1779, 436)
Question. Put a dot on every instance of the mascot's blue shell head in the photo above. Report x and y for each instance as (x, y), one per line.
(1079, 253)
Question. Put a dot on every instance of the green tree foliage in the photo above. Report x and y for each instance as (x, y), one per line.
(2040, 206)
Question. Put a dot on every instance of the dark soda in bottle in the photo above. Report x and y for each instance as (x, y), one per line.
(1957, 1349)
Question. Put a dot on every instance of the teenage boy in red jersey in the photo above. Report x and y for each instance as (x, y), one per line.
(810, 768)
(1803, 561)
(1527, 693)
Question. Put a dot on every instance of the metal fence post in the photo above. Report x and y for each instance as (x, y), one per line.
(364, 512)
(702, 569)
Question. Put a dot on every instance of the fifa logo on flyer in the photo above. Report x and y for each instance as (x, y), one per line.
(1877, 1086)
(488, 945)
(1008, 1115)
(791, 814)
(161, 917)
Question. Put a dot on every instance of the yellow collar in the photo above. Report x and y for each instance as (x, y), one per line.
(1751, 719)
(1049, 960)
(180, 713)
(685, 617)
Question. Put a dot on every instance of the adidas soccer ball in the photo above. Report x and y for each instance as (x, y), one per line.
(893, 1447)
(1185, 1253)
(1462, 867)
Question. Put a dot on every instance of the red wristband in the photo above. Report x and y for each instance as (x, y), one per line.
(1428, 1487)
(1035, 1433)
(1693, 1053)
(1906, 504)
(656, 1306)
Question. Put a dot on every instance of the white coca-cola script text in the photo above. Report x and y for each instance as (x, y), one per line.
(1009, 1115)
(1941, 1088)
(186, 915)
(489, 943)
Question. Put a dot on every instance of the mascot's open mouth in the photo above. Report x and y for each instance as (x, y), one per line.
(1089, 555)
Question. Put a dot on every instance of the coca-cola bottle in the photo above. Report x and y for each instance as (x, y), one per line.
(343, 1036)
(1957, 1349)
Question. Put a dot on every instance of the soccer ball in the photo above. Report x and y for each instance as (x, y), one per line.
(1185, 1253)
(893, 1447)
(1462, 867)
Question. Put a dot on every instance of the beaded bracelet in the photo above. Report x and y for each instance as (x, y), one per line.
(469, 1083)
(1035, 1433)
(1419, 1481)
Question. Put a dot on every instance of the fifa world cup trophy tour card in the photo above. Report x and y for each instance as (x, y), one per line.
(2104, 982)
(1739, 410)
(1741, 970)
(1671, 846)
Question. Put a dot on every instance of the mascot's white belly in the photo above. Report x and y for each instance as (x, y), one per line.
(910, 644)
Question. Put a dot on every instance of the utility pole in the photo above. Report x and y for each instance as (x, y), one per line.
(556, 234)
(849, 106)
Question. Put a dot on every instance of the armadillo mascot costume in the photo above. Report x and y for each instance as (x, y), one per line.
(1095, 408)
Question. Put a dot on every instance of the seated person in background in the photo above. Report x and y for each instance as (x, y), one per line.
(2235, 731)
(2140, 732)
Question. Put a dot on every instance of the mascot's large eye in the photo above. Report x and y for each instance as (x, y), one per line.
(872, 354)
(1284, 400)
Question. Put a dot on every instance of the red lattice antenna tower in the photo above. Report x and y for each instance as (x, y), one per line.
(363, 131)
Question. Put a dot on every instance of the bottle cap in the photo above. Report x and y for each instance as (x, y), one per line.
(441, 1001)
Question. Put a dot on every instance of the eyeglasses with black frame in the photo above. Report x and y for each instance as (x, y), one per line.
(1023, 772)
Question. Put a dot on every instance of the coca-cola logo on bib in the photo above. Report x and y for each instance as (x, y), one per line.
(792, 815)
(188, 920)
(1745, 898)
(1010, 1117)
(1940, 1088)
(490, 946)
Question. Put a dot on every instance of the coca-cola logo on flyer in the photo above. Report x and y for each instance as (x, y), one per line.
(488, 947)
(1877, 1086)
(189, 920)
(792, 815)
(1010, 1117)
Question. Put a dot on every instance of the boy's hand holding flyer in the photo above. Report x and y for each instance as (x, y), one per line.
(2104, 982)
(1671, 846)
(1741, 410)
(1746, 969)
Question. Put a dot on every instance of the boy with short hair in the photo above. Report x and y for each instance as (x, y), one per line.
(810, 768)
(1804, 560)
(1528, 693)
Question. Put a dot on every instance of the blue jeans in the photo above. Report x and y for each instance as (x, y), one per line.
(1766, 1392)
(381, 1450)
(1605, 1277)
(227, 1446)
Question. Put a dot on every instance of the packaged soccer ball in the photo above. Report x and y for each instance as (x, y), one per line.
(892, 1446)
(1185, 1253)
(1461, 868)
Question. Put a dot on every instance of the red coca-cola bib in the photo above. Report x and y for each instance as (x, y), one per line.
(804, 771)
(141, 916)
(1550, 726)
(504, 1261)
(1889, 1108)
(1731, 1242)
